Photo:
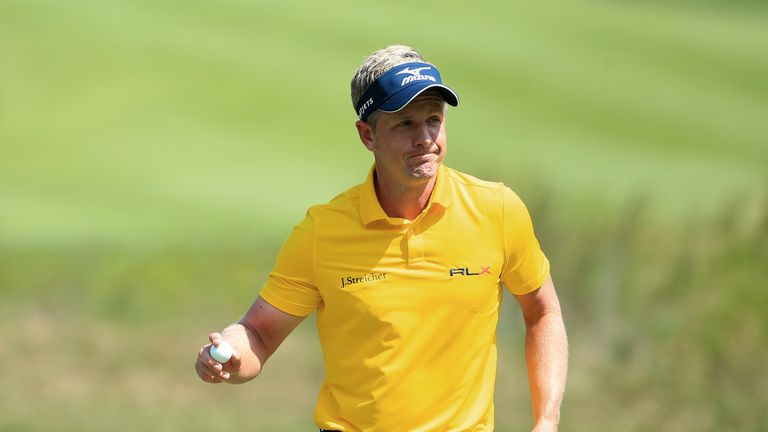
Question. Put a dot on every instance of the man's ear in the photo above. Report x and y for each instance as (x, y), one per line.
(365, 131)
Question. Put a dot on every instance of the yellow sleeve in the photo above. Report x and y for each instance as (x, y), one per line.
(526, 268)
(291, 286)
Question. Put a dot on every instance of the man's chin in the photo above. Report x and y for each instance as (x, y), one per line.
(424, 171)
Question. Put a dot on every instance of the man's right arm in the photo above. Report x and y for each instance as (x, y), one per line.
(254, 338)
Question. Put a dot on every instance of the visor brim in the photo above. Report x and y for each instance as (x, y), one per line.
(401, 99)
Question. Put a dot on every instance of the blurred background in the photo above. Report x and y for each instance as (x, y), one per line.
(155, 154)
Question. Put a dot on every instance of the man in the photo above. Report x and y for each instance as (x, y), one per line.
(405, 273)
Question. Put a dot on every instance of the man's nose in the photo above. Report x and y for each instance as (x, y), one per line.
(425, 136)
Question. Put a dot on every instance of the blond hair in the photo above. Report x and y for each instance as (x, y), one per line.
(375, 65)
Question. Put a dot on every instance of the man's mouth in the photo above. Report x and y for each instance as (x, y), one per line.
(423, 155)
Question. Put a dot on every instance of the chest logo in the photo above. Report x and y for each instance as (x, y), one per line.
(465, 271)
(370, 277)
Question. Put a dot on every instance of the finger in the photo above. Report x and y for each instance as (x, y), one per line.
(208, 369)
(233, 364)
(204, 359)
(208, 378)
(205, 375)
(204, 355)
(235, 360)
(212, 380)
(212, 364)
(215, 338)
(216, 372)
(206, 372)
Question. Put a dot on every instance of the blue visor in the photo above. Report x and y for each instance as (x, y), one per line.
(400, 85)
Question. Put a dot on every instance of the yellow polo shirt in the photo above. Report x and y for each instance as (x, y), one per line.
(407, 310)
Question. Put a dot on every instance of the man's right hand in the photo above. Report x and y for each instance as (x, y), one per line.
(211, 371)
(254, 338)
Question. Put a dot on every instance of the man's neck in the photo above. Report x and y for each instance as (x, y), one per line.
(400, 200)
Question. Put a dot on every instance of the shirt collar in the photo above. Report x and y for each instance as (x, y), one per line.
(370, 208)
(441, 194)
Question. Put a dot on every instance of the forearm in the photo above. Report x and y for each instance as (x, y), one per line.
(546, 352)
(251, 349)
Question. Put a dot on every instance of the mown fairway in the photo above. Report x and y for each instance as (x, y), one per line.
(154, 155)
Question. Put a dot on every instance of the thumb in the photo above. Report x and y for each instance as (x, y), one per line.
(235, 360)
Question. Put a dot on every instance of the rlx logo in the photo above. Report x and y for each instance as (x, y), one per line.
(464, 271)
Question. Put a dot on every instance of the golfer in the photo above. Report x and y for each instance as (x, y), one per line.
(405, 272)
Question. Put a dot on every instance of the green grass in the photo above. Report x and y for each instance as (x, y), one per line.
(144, 124)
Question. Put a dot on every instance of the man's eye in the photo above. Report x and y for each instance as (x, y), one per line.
(404, 123)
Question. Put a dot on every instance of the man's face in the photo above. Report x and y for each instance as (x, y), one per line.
(410, 144)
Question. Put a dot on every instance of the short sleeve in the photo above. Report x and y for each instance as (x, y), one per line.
(526, 268)
(291, 286)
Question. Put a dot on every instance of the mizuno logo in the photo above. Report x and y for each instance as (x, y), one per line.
(414, 72)
(464, 271)
(415, 75)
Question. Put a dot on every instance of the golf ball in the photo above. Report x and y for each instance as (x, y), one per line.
(223, 352)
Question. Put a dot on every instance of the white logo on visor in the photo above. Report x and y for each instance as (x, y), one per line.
(415, 75)
(413, 72)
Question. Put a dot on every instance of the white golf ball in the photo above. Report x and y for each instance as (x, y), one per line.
(223, 352)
